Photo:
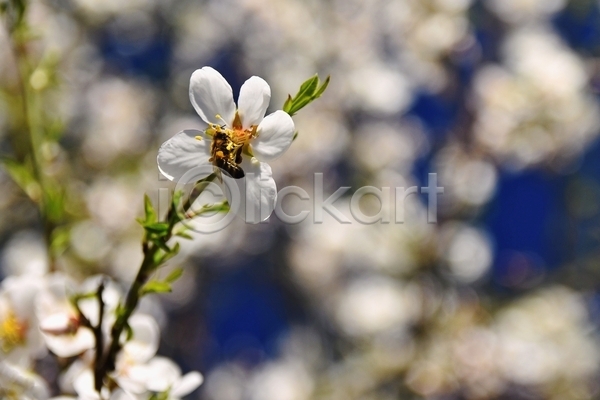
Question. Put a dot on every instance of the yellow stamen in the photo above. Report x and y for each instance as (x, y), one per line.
(12, 332)
(218, 116)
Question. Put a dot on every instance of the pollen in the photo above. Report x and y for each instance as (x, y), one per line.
(12, 332)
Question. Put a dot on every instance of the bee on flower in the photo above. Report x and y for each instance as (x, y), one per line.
(237, 142)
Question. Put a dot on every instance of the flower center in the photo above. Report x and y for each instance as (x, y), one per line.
(12, 332)
(236, 133)
(228, 144)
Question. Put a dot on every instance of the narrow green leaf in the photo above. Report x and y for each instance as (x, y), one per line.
(76, 298)
(175, 212)
(166, 254)
(218, 207)
(320, 91)
(308, 87)
(157, 227)
(175, 250)
(174, 275)
(60, 239)
(54, 202)
(163, 246)
(184, 235)
(157, 259)
(177, 198)
(155, 287)
(23, 177)
(300, 104)
(309, 91)
(288, 103)
(149, 210)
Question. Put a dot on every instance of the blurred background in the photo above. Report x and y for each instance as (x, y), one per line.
(498, 300)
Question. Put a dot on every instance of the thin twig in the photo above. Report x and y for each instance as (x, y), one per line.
(99, 336)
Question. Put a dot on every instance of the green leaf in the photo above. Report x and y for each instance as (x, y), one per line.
(167, 255)
(320, 91)
(151, 216)
(160, 257)
(288, 103)
(308, 87)
(184, 235)
(175, 213)
(218, 207)
(309, 92)
(160, 396)
(54, 202)
(300, 104)
(174, 275)
(163, 246)
(156, 287)
(60, 239)
(23, 177)
(76, 298)
(157, 227)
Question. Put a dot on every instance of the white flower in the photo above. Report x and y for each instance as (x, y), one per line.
(236, 140)
(20, 340)
(18, 383)
(60, 322)
(130, 371)
(164, 376)
(139, 372)
(136, 373)
(81, 376)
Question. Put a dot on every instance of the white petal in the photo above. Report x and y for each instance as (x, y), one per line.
(188, 383)
(211, 95)
(142, 347)
(124, 395)
(255, 95)
(67, 379)
(275, 135)
(84, 385)
(70, 345)
(162, 374)
(22, 291)
(183, 153)
(56, 324)
(131, 384)
(111, 294)
(22, 382)
(258, 192)
(91, 309)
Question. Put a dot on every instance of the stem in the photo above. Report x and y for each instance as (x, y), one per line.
(31, 116)
(131, 302)
(196, 192)
(149, 264)
(99, 336)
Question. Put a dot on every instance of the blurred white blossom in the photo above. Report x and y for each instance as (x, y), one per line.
(537, 108)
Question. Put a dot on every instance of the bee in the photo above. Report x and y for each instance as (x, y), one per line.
(226, 154)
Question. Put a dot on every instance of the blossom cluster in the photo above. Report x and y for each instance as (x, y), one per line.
(52, 313)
